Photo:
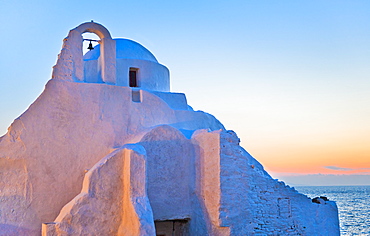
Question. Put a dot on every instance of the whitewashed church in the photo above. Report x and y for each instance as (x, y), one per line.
(107, 149)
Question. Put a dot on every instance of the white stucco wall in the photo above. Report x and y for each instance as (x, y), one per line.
(169, 172)
(113, 200)
(248, 201)
(68, 129)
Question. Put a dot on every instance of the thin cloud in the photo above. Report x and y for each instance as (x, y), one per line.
(325, 179)
(343, 168)
(338, 168)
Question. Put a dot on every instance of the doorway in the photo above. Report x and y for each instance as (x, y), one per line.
(171, 228)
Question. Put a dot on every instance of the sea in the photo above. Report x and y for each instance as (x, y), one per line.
(353, 205)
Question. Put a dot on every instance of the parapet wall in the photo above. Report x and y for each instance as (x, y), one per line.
(245, 200)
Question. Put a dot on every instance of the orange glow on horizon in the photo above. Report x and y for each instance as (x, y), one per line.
(347, 157)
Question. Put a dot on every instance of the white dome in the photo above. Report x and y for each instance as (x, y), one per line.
(125, 49)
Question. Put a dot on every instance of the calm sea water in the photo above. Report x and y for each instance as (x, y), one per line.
(353, 205)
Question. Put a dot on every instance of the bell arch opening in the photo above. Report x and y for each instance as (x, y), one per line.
(91, 57)
(85, 43)
(105, 68)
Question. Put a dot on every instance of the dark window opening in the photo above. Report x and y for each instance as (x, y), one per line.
(133, 75)
(172, 227)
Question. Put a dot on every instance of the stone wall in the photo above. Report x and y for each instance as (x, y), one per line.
(240, 198)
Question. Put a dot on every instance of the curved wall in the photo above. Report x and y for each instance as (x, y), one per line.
(129, 54)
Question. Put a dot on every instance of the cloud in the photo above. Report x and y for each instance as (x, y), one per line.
(338, 168)
(325, 179)
(343, 168)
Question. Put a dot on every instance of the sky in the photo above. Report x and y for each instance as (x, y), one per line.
(291, 78)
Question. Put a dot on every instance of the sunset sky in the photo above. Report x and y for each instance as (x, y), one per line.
(291, 78)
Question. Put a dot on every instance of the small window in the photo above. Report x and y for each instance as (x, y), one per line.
(133, 76)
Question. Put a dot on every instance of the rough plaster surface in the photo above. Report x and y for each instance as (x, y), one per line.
(240, 198)
(268, 206)
(208, 184)
(113, 200)
(169, 173)
(68, 129)
(100, 159)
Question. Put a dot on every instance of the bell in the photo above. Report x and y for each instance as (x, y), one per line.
(90, 46)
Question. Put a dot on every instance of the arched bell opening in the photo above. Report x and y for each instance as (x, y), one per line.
(91, 57)
(89, 39)
(103, 70)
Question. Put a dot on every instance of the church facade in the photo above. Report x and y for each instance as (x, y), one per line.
(108, 149)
